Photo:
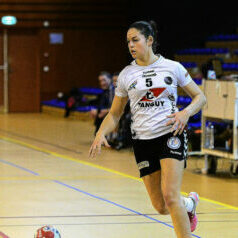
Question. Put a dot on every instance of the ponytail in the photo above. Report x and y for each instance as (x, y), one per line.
(155, 37)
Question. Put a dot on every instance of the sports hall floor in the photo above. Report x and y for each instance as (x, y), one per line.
(47, 178)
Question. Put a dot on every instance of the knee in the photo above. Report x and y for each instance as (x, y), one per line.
(171, 198)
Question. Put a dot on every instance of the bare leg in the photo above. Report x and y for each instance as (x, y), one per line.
(153, 185)
(171, 179)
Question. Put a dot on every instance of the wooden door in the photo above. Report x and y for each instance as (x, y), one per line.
(1, 71)
(24, 79)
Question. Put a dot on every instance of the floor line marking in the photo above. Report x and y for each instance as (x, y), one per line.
(105, 223)
(54, 154)
(80, 216)
(41, 141)
(94, 196)
(103, 168)
(19, 167)
(113, 203)
(82, 224)
(33, 178)
(104, 215)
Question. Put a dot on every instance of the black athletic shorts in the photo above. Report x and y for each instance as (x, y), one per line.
(148, 153)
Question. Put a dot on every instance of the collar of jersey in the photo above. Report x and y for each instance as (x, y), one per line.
(156, 62)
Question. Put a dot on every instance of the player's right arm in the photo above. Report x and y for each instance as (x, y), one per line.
(108, 125)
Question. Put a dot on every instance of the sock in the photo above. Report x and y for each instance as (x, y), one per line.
(188, 203)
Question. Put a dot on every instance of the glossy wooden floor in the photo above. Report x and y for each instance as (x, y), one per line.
(47, 178)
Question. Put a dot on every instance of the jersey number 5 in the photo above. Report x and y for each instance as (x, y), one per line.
(148, 82)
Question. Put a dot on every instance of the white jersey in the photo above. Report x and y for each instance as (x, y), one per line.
(152, 91)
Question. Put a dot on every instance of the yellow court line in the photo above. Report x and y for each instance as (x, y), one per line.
(67, 157)
(102, 168)
(36, 178)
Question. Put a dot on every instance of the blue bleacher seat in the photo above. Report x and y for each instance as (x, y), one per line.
(198, 81)
(84, 90)
(91, 91)
(61, 104)
(230, 66)
(194, 125)
(202, 51)
(198, 124)
(54, 102)
(220, 124)
(189, 64)
(183, 100)
(232, 37)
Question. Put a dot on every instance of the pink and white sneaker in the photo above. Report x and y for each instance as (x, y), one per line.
(192, 215)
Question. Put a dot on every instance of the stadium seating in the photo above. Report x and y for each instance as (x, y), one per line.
(56, 107)
(221, 37)
(225, 66)
(228, 41)
(230, 67)
(225, 46)
(189, 64)
(202, 51)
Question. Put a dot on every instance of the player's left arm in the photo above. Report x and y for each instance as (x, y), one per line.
(198, 98)
(180, 119)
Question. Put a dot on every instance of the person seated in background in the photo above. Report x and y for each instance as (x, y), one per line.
(73, 100)
(124, 138)
(197, 73)
(224, 137)
(213, 64)
(121, 137)
(113, 135)
(114, 79)
(104, 100)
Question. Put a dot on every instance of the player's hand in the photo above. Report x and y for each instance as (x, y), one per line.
(97, 144)
(179, 121)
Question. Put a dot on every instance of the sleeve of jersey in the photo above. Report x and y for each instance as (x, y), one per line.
(120, 90)
(183, 76)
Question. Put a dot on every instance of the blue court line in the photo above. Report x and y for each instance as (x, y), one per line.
(93, 196)
(19, 167)
(113, 203)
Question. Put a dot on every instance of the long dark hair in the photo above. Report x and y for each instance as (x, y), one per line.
(147, 29)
